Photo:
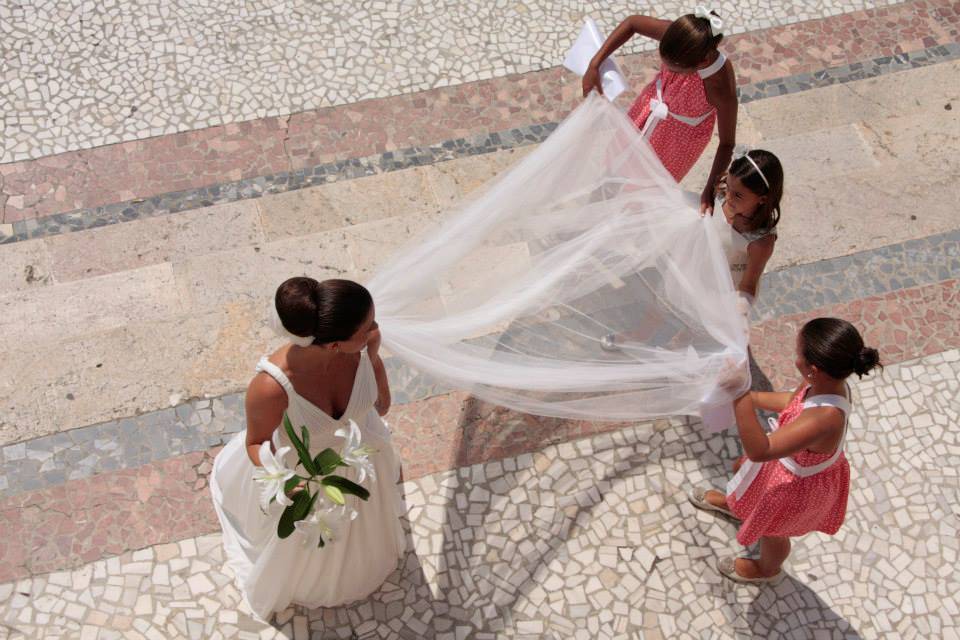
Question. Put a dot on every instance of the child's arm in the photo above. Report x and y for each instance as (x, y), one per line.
(721, 90)
(642, 25)
(811, 426)
(771, 400)
(758, 254)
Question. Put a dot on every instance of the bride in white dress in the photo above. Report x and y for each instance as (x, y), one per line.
(330, 374)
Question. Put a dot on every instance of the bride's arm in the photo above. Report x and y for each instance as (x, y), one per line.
(265, 403)
(380, 372)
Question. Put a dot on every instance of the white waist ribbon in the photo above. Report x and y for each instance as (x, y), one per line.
(660, 111)
(749, 470)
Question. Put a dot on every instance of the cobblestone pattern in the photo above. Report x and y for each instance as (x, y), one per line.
(85, 75)
(592, 539)
(769, 62)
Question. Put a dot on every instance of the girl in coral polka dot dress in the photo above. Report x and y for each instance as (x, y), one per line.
(795, 479)
(694, 89)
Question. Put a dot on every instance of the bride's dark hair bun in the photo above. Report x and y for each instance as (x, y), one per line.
(330, 311)
(835, 347)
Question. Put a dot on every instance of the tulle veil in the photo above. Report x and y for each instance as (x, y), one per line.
(588, 235)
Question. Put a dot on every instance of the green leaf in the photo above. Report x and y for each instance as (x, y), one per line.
(334, 494)
(345, 486)
(326, 461)
(291, 484)
(305, 437)
(302, 451)
(296, 511)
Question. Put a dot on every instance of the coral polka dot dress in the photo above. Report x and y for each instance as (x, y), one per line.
(794, 495)
(674, 116)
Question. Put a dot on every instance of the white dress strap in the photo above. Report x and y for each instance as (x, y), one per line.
(823, 400)
(717, 64)
(277, 374)
(828, 400)
(660, 111)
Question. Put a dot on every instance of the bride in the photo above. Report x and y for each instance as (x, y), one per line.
(330, 379)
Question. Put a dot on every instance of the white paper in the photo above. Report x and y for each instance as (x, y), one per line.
(581, 53)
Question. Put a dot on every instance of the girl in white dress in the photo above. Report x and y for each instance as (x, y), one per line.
(750, 193)
(329, 375)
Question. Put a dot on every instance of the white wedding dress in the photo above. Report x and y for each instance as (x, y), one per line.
(274, 573)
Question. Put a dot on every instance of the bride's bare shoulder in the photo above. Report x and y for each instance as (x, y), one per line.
(264, 388)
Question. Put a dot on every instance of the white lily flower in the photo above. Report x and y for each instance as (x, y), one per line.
(356, 454)
(325, 521)
(272, 476)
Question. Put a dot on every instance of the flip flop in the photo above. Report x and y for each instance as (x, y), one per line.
(698, 498)
(727, 568)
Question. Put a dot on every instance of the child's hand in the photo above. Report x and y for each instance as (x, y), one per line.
(706, 200)
(734, 375)
(591, 81)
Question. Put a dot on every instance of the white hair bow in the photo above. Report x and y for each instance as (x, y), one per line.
(741, 150)
(277, 325)
(716, 24)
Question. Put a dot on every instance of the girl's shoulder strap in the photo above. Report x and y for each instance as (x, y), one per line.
(715, 66)
(759, 234)
(830, 400)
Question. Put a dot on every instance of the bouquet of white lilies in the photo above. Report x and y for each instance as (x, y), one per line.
(315, 503)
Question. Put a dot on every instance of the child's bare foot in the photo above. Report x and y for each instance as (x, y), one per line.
(750, 568)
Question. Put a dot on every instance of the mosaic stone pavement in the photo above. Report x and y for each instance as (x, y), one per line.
(593, 538)
(95, 74)
(148, 238)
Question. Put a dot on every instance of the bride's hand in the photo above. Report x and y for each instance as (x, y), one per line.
(297, 489)
(591, 81)
(373, 341)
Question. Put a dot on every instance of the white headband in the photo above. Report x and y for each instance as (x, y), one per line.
(277, 325)
(716, 24)
(744, 152)
(758, 170)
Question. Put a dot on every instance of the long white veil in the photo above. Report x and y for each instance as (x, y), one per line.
(586, 236)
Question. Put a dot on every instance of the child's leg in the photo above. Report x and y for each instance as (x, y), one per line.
(773, 552)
